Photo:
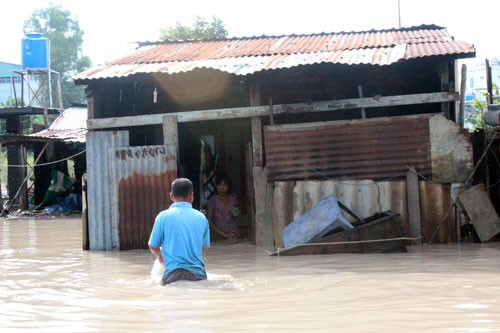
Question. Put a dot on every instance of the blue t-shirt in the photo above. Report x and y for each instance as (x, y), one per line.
(181, 232)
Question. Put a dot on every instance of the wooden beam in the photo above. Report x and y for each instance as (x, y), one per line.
(263, 195)
(489, 83)
(257, 141)
(170, 133)
(262, 110)
(463, 87)
(413, 198)
(445, 87)
(257, 151)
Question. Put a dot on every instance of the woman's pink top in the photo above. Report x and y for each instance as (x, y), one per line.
(222, 214)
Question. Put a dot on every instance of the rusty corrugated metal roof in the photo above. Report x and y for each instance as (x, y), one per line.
(71, 125)
(247, 55)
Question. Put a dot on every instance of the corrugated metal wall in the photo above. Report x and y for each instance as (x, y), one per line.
(366, 197)
(103, 230)
(357, 149)
(141, 178)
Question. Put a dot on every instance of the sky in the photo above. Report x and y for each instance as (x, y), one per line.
(112, 28)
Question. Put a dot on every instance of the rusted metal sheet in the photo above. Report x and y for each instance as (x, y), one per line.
(70, 126)
(248, 55)
(481, 212)
(366, 198)
(435, 200)
(140, 185)
(360, 149)
(103, 234)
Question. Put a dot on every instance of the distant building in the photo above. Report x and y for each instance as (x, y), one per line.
(6, 80)
(476, 78)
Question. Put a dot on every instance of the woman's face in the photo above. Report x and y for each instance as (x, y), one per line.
(222, 187)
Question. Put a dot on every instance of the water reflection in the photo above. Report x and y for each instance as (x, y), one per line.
(50, 285)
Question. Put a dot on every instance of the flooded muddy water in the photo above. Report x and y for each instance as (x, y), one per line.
(49, 284)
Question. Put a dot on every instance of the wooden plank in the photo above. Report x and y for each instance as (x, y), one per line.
(171, 135)
(412, 191)
(445, 86)
(456, 188)
(258, 175)
(360, 92)
(257, 151)
(463, 87)
(343, 123)
(250, 194)
(282, 210)
(481, 212)
(257, 143)
(170, 132)
(263, 201)
(489, 83)
(261, 110)
(90, 107)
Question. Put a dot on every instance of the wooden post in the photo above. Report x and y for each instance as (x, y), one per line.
(262, 191)
(170, 133)
(91, 98)
(489, 84)
(445, 87)
(363, 111)
(15, 174)
(456, 189)
(263, 203)
(250, 192)
(282, 210)
(257, 154)
(271, 111)
(413, 198)
(463, 85)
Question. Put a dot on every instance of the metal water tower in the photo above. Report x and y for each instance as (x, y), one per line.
(40, 85)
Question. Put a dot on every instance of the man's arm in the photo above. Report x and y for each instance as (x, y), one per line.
(157, 252)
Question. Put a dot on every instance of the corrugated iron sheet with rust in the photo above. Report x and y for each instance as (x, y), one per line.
(103, 229)
(247, 55)
(370, 149)
(70, 126)
(140, 185)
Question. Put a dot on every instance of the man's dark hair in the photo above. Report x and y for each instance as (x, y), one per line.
(181, 188)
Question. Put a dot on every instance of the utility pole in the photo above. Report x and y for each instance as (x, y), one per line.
(399, 13)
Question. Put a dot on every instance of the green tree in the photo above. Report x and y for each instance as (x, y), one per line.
(11, 102)
(476, 119)
(66, 38)
(201, 29)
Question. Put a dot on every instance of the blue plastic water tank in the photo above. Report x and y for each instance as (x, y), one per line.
(35, 52)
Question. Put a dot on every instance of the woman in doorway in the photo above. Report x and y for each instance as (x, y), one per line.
(222, 209)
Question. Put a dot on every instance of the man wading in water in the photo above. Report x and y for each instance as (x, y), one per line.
(179, 236)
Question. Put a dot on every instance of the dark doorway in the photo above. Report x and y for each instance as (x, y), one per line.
(212, 147)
